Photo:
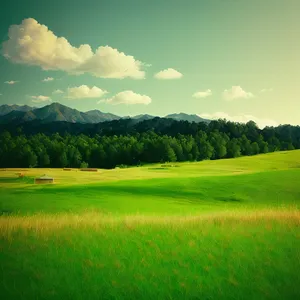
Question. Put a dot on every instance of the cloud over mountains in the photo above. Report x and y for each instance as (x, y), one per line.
(129, 98)
(84, 91)
(240, 118)
(34, 44)
(40, 99)
(236, 92)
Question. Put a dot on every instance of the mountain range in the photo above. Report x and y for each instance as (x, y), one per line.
(6, 109)
(57, 112)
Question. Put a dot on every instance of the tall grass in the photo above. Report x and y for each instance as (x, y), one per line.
(191, 232)
(46, 222)
(220, 256)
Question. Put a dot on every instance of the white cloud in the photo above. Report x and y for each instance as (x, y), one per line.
(39, 99)
(84, 91)
(57, 92)
(236, 92)
(266, 90)
(241, 118)
(48, 79)
(34, 44)
(11, 82)
(110, 63)
(129, 98)
(204, 94)
(168, 74)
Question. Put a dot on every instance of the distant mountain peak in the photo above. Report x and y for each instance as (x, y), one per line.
(51, 113)
(56, 111)
(142, 117)
(8, 108)
(186, 117)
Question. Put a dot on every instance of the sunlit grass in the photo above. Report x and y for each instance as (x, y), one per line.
(222, 256)
(265, 162)
(47, 222)
(227, 229)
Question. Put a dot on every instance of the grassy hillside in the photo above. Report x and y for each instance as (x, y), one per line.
(226, 229)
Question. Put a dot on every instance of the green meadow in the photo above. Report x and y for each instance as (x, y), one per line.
(224, 229)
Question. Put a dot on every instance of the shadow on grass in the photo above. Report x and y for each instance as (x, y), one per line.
(176, 193)
(229, 199)
(25, 179)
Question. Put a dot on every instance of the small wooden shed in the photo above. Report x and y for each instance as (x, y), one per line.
(89, 169)
(43, 179)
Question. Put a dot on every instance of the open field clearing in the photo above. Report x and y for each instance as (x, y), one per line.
(226, 229)
(267, 162)
(164, 196)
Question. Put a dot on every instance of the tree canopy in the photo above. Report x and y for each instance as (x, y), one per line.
(123, 143)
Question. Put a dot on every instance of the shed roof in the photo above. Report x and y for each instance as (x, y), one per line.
(44, 177)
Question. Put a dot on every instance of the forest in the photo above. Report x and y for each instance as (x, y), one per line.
(121, 143)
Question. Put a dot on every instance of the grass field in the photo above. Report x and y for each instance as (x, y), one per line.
(226, 229)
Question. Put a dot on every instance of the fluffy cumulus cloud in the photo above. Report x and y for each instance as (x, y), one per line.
(241, 118)
(110, 63)
(236, 92)
(11, 82)
(40, 99)
(48, 79)
(129, 98)
(57, 92)
(204, 94)
(83, 91)
(34, 44)
(168, 74)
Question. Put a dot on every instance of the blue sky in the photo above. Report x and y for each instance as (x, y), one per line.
(233, 59)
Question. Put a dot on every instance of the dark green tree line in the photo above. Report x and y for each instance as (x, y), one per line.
(174, 141)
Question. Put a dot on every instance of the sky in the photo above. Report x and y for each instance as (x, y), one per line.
(233, 59)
